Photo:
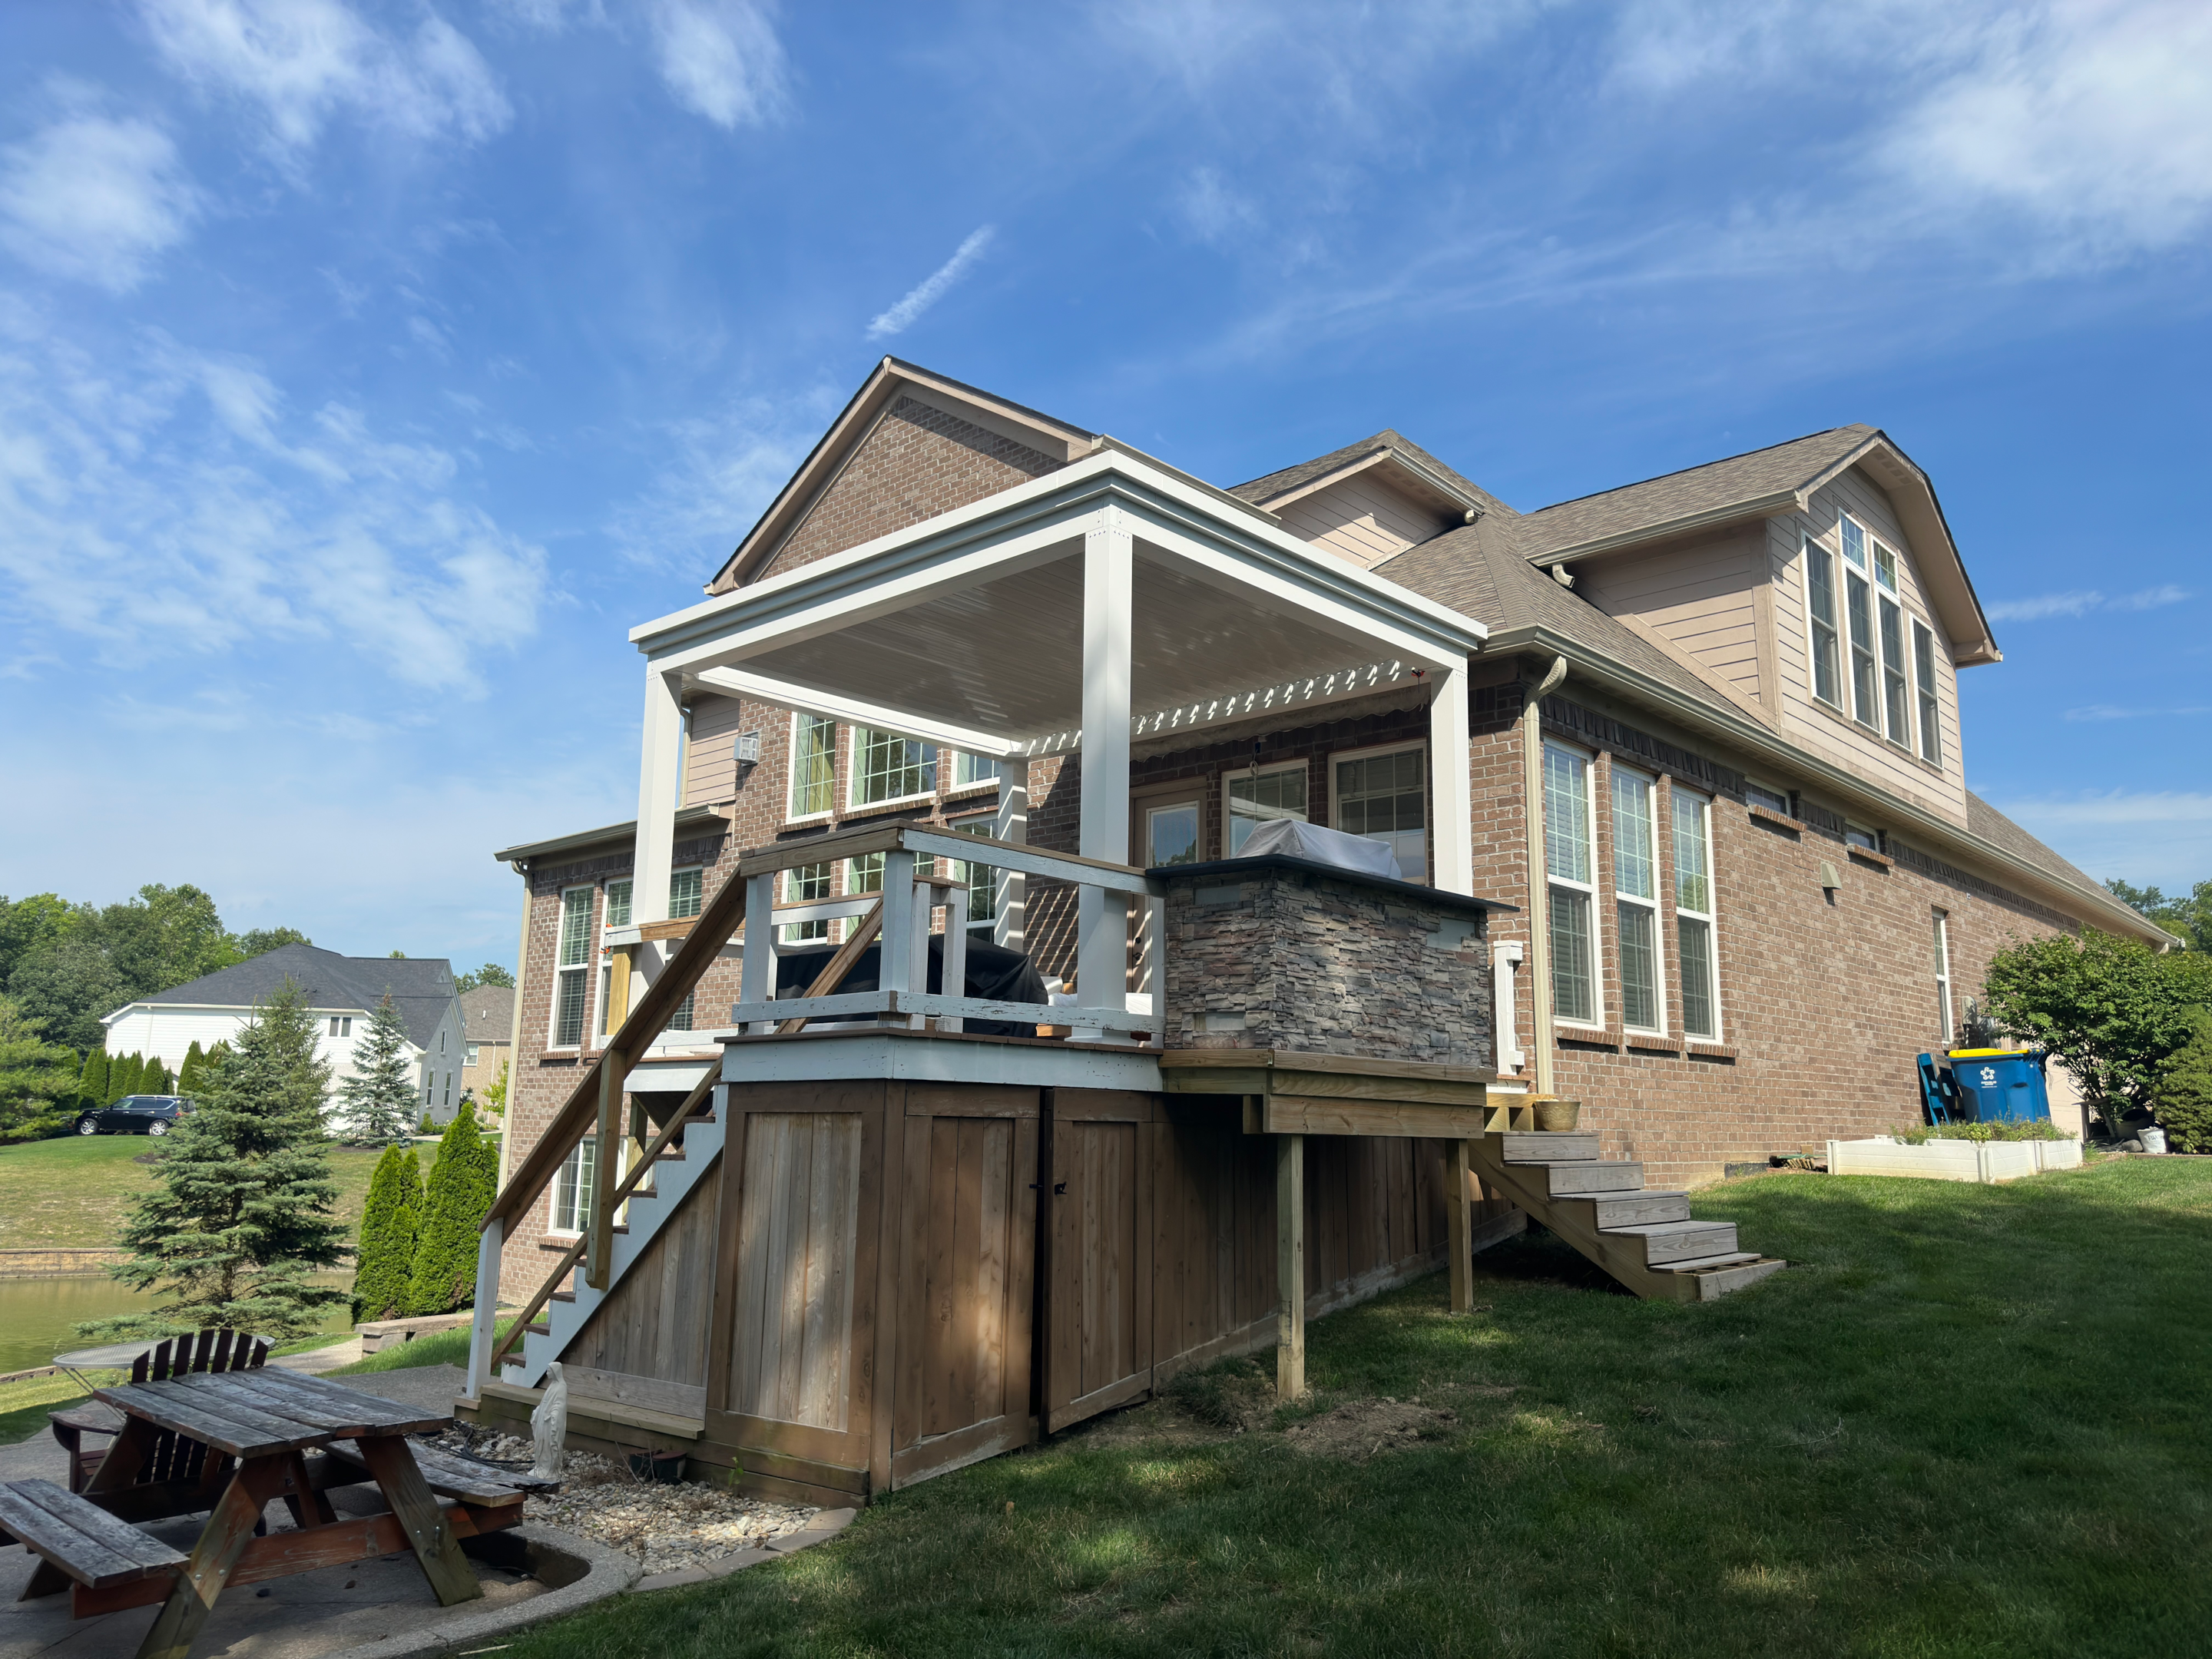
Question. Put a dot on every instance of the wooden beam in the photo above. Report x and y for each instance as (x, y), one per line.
(598, 1261)
(1291, 1268)
(1300, 1114)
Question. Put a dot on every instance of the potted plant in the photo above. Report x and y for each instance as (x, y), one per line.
(1554, 1115)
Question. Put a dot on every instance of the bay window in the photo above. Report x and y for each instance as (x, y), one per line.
(1858, 607)
(1636, 901)
(1570, 890)
(1896, 707)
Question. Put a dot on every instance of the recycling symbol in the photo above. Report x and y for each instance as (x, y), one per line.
(1989, 1077)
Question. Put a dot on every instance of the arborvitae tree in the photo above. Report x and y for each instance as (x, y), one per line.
(160, 1079)
(188, 1075)
(92, 1082)
(2182, 1101)
(389, 1224)
(123, 1078)
(378, 1098)
(243, 1215)
(459, 1197)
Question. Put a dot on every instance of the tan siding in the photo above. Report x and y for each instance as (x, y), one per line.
(1815, 726)
(710, 764)
(1697, 602)
(1362, 519)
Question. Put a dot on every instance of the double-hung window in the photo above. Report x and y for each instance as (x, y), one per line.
(813, 764)
(1572, 891)
(1858, 606)
(686, 892)
(471, 1062)
(1943, 1024)
(1385, 797)
(1896, 695)
(1261, 795)
(887, 767)
(1923, 674)
(618, 893)
(572, 967)
(969, 770)
(1636, 897)
(808, 883)
(1820, 608)
(1693, 913)
(572, 1186)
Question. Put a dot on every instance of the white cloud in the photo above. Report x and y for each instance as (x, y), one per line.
(2163, 838)
(1216, 213)
(2106, 711)
(724, 470)
(902, 316)
(167, 503)
(721, 59)
(94, 197)
(2082, 601)
(302, 61)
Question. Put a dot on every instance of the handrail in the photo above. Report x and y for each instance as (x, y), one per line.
(833, 975)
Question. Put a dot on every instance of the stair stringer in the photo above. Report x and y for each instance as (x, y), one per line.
(673, 1183)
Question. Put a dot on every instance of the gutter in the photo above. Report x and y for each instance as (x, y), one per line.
(1676, 705)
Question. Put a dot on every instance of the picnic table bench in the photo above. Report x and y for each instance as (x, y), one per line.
(268, 1434)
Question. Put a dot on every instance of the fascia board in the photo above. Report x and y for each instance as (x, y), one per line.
(1031, 512)
(1750, 507)
(1666, 700)
(783, 694)
(1423, 477)
(688, 817)
(1298, 491)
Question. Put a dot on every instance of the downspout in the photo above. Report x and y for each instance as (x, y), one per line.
(1539, 933)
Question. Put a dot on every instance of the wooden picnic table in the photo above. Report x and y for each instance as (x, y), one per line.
(282, 1435)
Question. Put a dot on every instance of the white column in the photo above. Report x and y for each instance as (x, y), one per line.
(660, 771)
(756, 975)
(481, 1324)
(1101, 923)
(1505, 956)
(1453, 825)
(1012, 826)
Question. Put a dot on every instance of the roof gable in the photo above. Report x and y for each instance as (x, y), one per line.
(1022, 442)
(1408, 467)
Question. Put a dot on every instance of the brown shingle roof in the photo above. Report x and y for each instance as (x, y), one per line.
(2000, 831)
(1259, 491)
(1695, 491)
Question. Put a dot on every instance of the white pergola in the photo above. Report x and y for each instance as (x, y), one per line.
(1115, 600)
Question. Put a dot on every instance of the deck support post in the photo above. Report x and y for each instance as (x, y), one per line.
(606, 1170)
(1458, 1217)
(484, 1322)
(757, 974)
(1291, 1266)
(1102, 918)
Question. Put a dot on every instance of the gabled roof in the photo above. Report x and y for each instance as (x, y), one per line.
(488, 1013)
(1781, 478)
(1409, 466)
(420, 988)
(889, 379)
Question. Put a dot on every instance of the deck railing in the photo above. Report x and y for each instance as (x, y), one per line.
(904, 916)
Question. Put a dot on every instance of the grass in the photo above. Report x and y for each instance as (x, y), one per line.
(438, 1348)
(1970, 1421)
(74, 1192)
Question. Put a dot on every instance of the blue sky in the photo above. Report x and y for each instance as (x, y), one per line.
(366, 371)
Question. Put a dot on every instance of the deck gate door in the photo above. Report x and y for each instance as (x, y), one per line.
(1097, 1236)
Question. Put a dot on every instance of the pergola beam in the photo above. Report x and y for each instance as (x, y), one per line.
(853, 711)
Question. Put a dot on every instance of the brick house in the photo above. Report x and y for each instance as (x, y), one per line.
(1718, 710)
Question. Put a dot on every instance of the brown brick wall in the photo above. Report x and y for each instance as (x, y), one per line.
(917, 462)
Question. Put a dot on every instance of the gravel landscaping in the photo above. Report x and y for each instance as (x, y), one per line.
(666, 1527)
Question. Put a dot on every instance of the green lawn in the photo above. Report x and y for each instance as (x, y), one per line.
(1971, 1421)
(75, 1192)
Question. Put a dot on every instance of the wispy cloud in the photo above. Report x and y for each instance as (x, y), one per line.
(168, 501)
(1216, 213)
(723, 470)
(2080, 602)
(2161, 837)
(2106, 711)
(902, 316)
(302, 61)
(721, 59)
(93, 197)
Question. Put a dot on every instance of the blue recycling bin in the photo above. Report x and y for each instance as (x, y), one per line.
(2001, 1086)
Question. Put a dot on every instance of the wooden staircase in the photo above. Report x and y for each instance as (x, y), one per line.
(1646, 1239)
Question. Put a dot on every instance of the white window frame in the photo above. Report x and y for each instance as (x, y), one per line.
(964, 763)
(1646, 903)
(629, 887)
(1858, 835)
(471, 1056)
(985, 883)
(1708, 918)
(1760, 794)
(853, 771)
(698, 869)
(581, 968)
(807, 932)
(1928, 706)
(1890, 617)
(1228, 809)
(1588, 889)
(1943, 1008)
(570, 1171)
(800, 721)
(1865, 695)
(1813, 625)
(1376, 751)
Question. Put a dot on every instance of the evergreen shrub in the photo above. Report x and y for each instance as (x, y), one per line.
(2182, 1102)
(389, 1223)
(458, 1198)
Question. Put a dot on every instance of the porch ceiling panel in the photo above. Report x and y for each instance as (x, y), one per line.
(1005, 656)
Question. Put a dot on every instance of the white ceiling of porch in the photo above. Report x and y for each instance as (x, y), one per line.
(1005, 657)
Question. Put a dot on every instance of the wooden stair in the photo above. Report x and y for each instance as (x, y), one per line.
(1646, 1238)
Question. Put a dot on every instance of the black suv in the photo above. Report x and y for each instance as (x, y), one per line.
(136, 1114)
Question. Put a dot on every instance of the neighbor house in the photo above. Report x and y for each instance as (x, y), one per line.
(488, 1035)
(1662, 795)
(340, 992)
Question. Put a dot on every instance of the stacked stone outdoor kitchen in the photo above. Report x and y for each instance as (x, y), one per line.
(1282, 952)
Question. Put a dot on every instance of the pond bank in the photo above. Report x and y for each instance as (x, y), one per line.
(49, 1264)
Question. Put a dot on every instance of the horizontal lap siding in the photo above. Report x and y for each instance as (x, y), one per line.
(1362, 519)
(1700, 600)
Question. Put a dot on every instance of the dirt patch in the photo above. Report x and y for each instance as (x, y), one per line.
(1359, 1429)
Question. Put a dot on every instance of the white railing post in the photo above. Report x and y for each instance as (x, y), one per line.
(1101, 916)
(484, 1323)
(894, 955)
(917, 960)
(956, 953)
(1013, 828)
(1504, 956)
(756, 975)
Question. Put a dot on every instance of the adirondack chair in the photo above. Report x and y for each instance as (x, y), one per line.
(173, 1458)
(1939, 1091)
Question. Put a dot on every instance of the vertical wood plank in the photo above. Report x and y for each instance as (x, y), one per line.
(1289, 1267)
(1458, 1248)
(987, 1361)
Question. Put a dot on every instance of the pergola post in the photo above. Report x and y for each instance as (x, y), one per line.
(1454, 825)
(1102, 924)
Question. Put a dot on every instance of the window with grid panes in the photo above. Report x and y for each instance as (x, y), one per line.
(618, 893)
(1261, 795)
(813, 764)
(982, 880)
(686, 889)
(572, 1186)
(1385, 798)
(1821, 605)
(1693, 913)
(808, 883)
(1896, 704)
(1943, 1023)
(1858, 606)
(1570, 890)
(969, 768)
(1636, 901)
(572, 967)
(887, 767)
(1923, 673)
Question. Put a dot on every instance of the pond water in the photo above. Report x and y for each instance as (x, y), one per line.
(38, 1316)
